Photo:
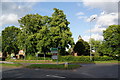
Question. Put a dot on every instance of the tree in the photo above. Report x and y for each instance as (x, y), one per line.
(60, 32)
(95, 44)
(40, 33)
(112, 40)
(32, 27)
(82, 47)
(102, 49)
(9, 40)
(0, 43)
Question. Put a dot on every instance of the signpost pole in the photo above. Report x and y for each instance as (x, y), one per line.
(57, 59)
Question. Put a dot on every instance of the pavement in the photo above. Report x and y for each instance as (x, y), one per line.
(86, 71)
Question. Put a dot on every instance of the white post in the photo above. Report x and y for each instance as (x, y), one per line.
(44, 56)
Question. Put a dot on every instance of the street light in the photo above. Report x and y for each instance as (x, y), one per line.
(90, 38)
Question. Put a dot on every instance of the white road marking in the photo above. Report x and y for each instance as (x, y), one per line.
(36, 69)
(55, 76)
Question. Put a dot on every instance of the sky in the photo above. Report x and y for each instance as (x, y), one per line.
(79, 13)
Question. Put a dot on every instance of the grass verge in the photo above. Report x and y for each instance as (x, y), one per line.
(53, 66)
(10, 65)
(113, 61)
(35, 61)
(78, 62)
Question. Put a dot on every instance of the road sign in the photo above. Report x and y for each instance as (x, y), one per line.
(54, 57)
(53, 49)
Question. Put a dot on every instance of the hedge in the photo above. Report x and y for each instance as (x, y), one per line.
(102, 58)
(74, 58)
(84, 58)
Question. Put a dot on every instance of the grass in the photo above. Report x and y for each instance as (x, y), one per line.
(53, 66)
(112, 61)
(96, 62)
(10, 65)
(54, 62)
(34, 61)
(31, 61)
(86, 62)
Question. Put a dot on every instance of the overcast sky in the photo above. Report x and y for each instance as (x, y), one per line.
(78, 12)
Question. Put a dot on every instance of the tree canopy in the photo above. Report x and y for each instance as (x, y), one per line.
(40, 33)
(9, 39)
(82, 47)
(112, 40)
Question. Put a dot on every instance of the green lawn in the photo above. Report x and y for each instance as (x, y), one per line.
(34, 61)
(112, 61)
(54, 62)
(10, 65)
(53, 66)
(96, 62)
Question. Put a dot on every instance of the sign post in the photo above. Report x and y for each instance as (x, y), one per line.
(54, 51)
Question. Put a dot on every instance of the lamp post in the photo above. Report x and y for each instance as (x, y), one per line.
(90, 38)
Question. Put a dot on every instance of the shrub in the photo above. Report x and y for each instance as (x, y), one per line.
(83, 58)
(74, 58)
(30, 57)
(102, 58)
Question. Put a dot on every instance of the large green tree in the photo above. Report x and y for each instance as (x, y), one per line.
(33, 30)
(60, 32)
(40, 33)
(95, 44)
(112, 40)
(9, 40)
(82, 47)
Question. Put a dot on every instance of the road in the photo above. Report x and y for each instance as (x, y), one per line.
(86, 71)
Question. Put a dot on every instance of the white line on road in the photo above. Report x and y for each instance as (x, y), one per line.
(55, 76)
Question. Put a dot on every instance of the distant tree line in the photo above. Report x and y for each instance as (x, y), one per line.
(38, 34)
(110, 45)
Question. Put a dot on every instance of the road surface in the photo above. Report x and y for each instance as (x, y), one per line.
(86, 71)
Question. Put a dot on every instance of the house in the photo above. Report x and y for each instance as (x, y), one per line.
(21, 54)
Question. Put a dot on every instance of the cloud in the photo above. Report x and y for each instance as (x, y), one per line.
(23, 0)
(16, 8)
(82, 17)
(12, 11)
(100, 1)
(79, 13)
(59, 0)
(104, 20)
(107, 17)
(9, 19)
(105, 5)
(95, 36)
(96, 30)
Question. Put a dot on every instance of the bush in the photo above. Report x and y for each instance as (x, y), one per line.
(83, 58)
(74, 58)
(30, 57)
(102, 58)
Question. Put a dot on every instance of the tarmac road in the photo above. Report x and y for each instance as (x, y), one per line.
(86, 71)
